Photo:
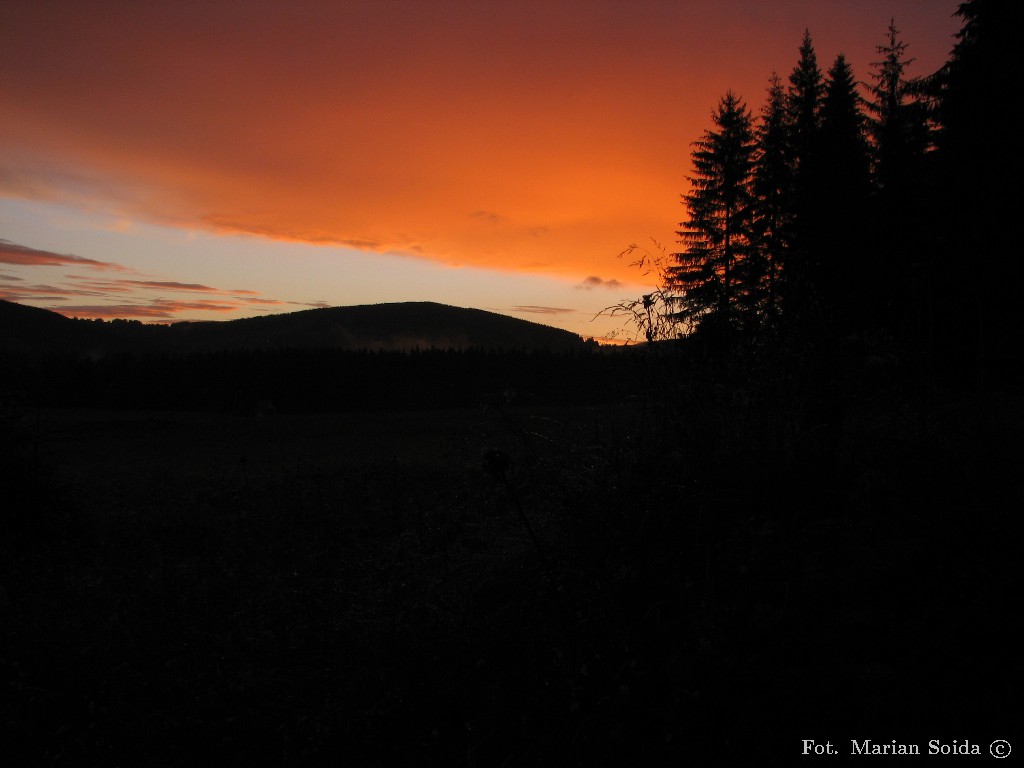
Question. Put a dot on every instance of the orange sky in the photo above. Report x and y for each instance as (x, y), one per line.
(542, 137)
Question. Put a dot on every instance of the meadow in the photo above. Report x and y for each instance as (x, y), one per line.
(716, 560)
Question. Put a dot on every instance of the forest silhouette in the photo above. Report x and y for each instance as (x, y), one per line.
(792, 512)
(843, 210)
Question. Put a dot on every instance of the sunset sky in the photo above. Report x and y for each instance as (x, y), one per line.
(213, 160)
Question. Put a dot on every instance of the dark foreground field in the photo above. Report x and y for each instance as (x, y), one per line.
(711, 569)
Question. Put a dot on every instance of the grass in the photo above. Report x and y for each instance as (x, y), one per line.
(736, 557)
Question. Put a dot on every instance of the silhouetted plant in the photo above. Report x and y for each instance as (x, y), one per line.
(714, 277)
(773, 188)
(496, 463)
(651, 316)
(972, 309)
(899, 137)
(803, 122)
(898, 125)
(845, 268)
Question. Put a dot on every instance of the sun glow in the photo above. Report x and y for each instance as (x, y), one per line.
(530, 139)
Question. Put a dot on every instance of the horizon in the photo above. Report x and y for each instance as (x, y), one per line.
(188, 165)
(177, 321)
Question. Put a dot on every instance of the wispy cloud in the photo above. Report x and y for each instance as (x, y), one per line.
(593, 281)
(158, 309)
(488, 217)
(22, 255)
(114, 297)
(128, 286)
(568, 122)
(50, 292)
(262, 301)
(168, 309)
(163, 285)
(533, 309)
(229, 224)
(30, 296)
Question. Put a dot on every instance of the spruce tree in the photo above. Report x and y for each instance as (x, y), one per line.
(711, 274)
(975, 202)
(773, 190)
(801, 302)
(803, 102)
(844, 151)
(843, 185)
(898, 124)
(898, 129)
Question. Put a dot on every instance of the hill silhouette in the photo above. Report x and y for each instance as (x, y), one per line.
(24, 328)
(391, 327)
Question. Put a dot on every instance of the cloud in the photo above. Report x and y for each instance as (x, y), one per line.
(22, 255)
(533, 309)
(157, 309)
(133, 286)
(488, 217)
(433, 151)
(399, 126)
(51, 292)
(235, 225)
(32, 296)
(141, 306)
(264, 301)
(593, 281)
(12, 278)
(171, 286)
(144, 309)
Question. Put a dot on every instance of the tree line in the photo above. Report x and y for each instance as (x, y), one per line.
(321, 380)
(847, 207)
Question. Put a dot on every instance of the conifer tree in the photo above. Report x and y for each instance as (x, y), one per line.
(844, 151)
(975, 202)
(712, 274)
(773, 190)
(898, 123)
(898, 129)
(803, 101)
(800, 269)
(843, 184)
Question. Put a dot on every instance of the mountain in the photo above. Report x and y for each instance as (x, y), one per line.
(400, 326)
(24, 328)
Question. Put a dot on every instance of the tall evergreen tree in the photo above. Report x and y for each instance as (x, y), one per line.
(844, 150)
(712, 274)
(773, 190)
(803, 112)
(843, 185)
(803, 102)
(898, 124)
(976, 200)
(898, 129)
(970, 89)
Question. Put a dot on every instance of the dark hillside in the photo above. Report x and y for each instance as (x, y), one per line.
(402, 326)
(35, 331)
(386, 327)
(25, 328)
(413, 355)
